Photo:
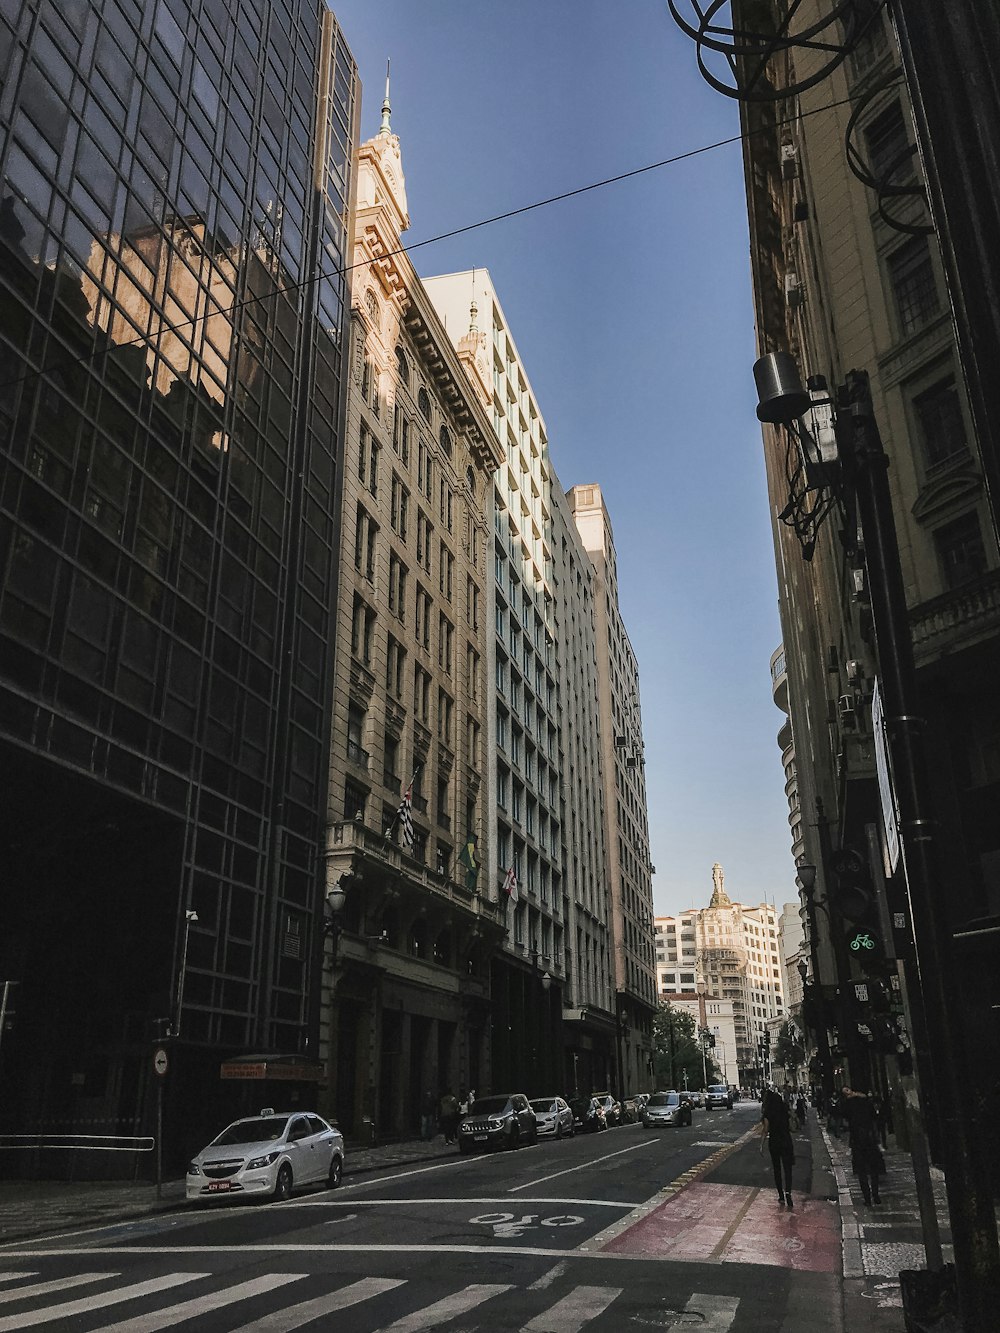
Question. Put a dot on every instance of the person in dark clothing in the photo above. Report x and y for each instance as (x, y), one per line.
(867, 1161)
(775, 1127)
(800, 1109)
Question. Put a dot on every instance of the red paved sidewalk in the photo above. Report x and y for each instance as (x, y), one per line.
(737, 1224)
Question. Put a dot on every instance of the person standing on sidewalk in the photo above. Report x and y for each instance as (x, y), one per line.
(867, 1161)
(776, 1128)
(428, 1106)
(449, 1116)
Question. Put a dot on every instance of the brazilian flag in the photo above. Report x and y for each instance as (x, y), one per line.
(467, 856)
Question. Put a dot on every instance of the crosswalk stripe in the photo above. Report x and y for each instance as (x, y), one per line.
(460, 1302)
(717, 1312)
(284, 1321)
(60, 1284)
(571, 1313)
(70, 1308)
(199, 1305)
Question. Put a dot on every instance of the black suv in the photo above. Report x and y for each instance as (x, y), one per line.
(504, 1121)
(718, 1095)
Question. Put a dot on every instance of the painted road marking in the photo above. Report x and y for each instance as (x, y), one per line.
(717, 1312)
(335, 1221)
(294, 1316)
(202, 1305)
(460, 1302)
(584, 1166)
(69, 1309)
(547, 1279)
(43, 1288)
(505, 1224)
(15, 1277)
(571, 1313)
(731, 1230)
(407, 1203)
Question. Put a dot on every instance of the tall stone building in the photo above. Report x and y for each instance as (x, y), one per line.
(407, 977)
(731, 952)
(626, 823)
(847, 274)
(170, 441)
(539, 602)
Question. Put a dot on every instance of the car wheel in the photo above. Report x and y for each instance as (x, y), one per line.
(283, 1185)
(514, 1140)
(559, 1129)
(335, 1173)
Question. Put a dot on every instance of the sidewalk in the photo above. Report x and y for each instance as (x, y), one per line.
(31, 1208)
(879, 1242)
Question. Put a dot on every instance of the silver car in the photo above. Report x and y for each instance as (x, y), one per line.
(666, 1108)
(553, 1116)
(267, 1156)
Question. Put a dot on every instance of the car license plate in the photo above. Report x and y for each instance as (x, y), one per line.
(217, 1186)
(479, 1138)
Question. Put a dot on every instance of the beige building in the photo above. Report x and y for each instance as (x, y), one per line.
(406, 987)
(847, 274)
(625, 813)
(554, 1023)
(732, 952)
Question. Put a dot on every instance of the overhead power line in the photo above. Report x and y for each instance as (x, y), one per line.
(66, 362)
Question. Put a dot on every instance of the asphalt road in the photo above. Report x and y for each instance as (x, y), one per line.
(624, 1230)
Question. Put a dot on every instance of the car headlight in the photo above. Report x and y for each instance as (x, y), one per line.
(494, 1124)
(466, 1127)
(267, 1160)
(194, 1169)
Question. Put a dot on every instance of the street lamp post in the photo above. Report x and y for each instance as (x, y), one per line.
(190, 917)
(702, 989)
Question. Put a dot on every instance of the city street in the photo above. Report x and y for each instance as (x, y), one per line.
(628, 1228)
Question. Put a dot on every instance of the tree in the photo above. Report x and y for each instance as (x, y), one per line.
(677, 1050)
(789, 1053)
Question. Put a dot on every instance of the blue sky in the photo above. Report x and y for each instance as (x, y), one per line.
(631, 310)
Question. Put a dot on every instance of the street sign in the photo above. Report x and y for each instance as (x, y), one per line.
(161, 1062)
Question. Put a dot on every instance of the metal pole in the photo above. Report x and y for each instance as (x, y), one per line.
(967, 1167)
(159, 1139)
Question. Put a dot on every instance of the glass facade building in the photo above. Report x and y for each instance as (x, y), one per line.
(175, 191)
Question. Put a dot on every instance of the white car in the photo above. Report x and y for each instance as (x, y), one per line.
(267, 1156)
(553, 1116)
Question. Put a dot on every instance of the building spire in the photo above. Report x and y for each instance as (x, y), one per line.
(385, 128)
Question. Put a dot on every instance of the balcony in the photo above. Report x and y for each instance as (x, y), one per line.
(357, 756)
(957, 619)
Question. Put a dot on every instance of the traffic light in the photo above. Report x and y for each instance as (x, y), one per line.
(853, 896)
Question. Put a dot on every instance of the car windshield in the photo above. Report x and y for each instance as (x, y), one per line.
(664, 1099)
(262, 1129)
(717, 1087)
(491, 1105)
(543, 1104)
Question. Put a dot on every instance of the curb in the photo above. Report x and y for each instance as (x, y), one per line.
(850, 1230)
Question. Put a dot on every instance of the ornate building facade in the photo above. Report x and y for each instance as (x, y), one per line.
(414, 916)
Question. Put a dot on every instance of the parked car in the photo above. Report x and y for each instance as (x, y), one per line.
(630, 1110)
(718, 1095)
(666, 1108)
(503, 1121)
(553, 1116)
(588, 1114)
(267, 1156)
(612, 1107)
(695, 1096)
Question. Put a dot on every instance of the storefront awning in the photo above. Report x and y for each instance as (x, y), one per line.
(260, 1068)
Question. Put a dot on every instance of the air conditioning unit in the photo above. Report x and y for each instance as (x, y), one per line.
(793, 292)
(789, 161)
(631, 761)
(621, 742)
(858, 581)
(854, 671)
(845, 706)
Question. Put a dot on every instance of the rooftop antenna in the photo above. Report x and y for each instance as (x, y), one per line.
(385, 127)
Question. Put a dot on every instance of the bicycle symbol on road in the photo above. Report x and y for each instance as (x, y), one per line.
(505, 1225)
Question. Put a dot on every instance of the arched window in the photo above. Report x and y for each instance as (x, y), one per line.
(424, 403)
(402, 366)
(445, 439)
(371, 305)
(470, 477)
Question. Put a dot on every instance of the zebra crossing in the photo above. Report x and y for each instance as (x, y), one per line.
(282, 1302)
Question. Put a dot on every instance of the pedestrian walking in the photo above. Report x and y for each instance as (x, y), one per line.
(801, 1108)
(776, 1128)
(449, 1115)
(867, 1161)
(835, 1114)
